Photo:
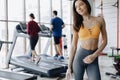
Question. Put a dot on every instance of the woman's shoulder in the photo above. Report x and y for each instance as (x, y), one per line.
(99, 19)
(32, 22)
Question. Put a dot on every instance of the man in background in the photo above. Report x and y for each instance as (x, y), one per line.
(57, 25)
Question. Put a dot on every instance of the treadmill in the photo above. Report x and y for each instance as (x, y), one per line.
(4, 74)
(47, 67)
(14, 75)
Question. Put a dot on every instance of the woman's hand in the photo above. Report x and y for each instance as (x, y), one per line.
(68, 74)
(89, 59)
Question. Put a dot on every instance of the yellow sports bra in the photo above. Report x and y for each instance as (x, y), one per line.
(86, 33)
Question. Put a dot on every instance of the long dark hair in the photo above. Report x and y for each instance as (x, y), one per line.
(77, 18)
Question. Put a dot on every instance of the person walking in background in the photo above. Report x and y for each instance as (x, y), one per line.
(87, 29)
(32, 30)
(57, 25)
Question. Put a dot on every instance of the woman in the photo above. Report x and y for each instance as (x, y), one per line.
(32, 30)
(86, 29)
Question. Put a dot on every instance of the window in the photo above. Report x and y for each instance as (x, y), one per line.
(15, 10)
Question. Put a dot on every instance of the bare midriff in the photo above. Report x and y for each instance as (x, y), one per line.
(89, 44)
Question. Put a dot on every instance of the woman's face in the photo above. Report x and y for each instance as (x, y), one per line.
(81, 7)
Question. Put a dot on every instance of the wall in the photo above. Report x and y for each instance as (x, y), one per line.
(110, 16)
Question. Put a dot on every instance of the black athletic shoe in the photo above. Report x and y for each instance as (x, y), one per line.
(56, 56)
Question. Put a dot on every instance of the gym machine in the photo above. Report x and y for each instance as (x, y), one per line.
(47, 67)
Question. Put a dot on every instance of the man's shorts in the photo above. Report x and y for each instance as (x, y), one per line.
(57, 40)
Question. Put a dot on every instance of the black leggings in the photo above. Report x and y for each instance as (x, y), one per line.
(33, 42)
(79, 66)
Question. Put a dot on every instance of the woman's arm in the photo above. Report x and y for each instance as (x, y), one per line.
(104, 36)
(73, 49)
(28, 28)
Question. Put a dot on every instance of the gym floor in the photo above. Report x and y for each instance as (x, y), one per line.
(106, 65)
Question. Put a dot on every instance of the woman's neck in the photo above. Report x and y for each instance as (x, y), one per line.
(86, 17)
(31, 19)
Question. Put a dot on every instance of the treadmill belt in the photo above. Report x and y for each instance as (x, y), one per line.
(47, 67)
(16, 76)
